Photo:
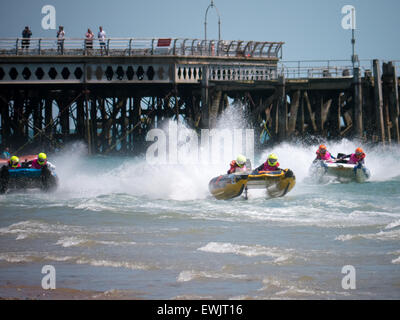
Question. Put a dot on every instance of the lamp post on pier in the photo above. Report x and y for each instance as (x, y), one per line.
(354, 56)
(211, 5)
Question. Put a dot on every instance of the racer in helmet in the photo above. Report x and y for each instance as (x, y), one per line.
(323, 154)
(271, 164)
(238, 165)
(356, 158)
(13, 163)
(40, 162)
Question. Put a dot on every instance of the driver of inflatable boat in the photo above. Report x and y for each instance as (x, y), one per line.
(356, 158)
(238, 165)
(40, 162)
(323, 154)
(13, 163)
(271, 164)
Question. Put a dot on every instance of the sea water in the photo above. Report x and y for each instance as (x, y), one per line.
(123, 228)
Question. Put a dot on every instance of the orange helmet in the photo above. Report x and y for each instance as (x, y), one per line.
(359, 152)
(322, 148)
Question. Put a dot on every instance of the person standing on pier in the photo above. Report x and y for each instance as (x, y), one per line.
(60, 37)
(89, 40)
(26, 34)
(102, 38)
(6, 154)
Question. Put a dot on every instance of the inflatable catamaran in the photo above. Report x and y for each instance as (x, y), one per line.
(340, 170)
(276, 183)
(26, 178)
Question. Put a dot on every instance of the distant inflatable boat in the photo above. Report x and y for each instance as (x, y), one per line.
(27, 178)
(343, 172)
(276, 183)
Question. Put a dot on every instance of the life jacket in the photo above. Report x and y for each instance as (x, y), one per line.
(235, 167)
(326, 156)
(354, 160)
(11, 167)
(267, 167)
(35, 164)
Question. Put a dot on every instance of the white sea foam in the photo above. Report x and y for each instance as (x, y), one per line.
(43, 256)
(113, 264)
(293, 291)
(72, 242)
(33, 228)
(280, 255)
(396, 261)
(72, 236)
(59, 258)
(15, 258)
(189, 275)
(393, 224)
(381, 235)
(76, 242)
(282, 288)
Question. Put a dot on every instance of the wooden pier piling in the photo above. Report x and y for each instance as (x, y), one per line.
(379, 101)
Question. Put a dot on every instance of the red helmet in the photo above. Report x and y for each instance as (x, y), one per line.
(322, 148)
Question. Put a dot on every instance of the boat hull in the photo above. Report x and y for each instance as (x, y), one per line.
(27, 178)
(227, 186)
(276, 183)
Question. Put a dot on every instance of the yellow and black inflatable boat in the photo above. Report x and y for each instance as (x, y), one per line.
(228, 186)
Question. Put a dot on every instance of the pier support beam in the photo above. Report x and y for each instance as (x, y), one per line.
(392, 100)
(294, 107)
(281, 109)
(48, 116)
(5, 121)
(358, 104)
(378, 100)
(215, 103)
(310, 112)
(204, 97)
(80, 118)
(137, 112)
(19, 137)
(395, 102)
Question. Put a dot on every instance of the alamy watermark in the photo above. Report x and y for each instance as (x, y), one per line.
(349, 280)
(49, 280)
(186, 146)
(49, 20)
(349, 19)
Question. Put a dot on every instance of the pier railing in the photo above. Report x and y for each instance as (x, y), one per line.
(140, 46)
(306, 69)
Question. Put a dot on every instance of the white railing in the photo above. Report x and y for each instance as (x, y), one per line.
(305, 69)
(138, 46)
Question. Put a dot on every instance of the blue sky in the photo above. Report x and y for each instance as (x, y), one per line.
(311, 29)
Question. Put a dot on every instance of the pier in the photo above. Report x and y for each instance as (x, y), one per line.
(110, 96)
